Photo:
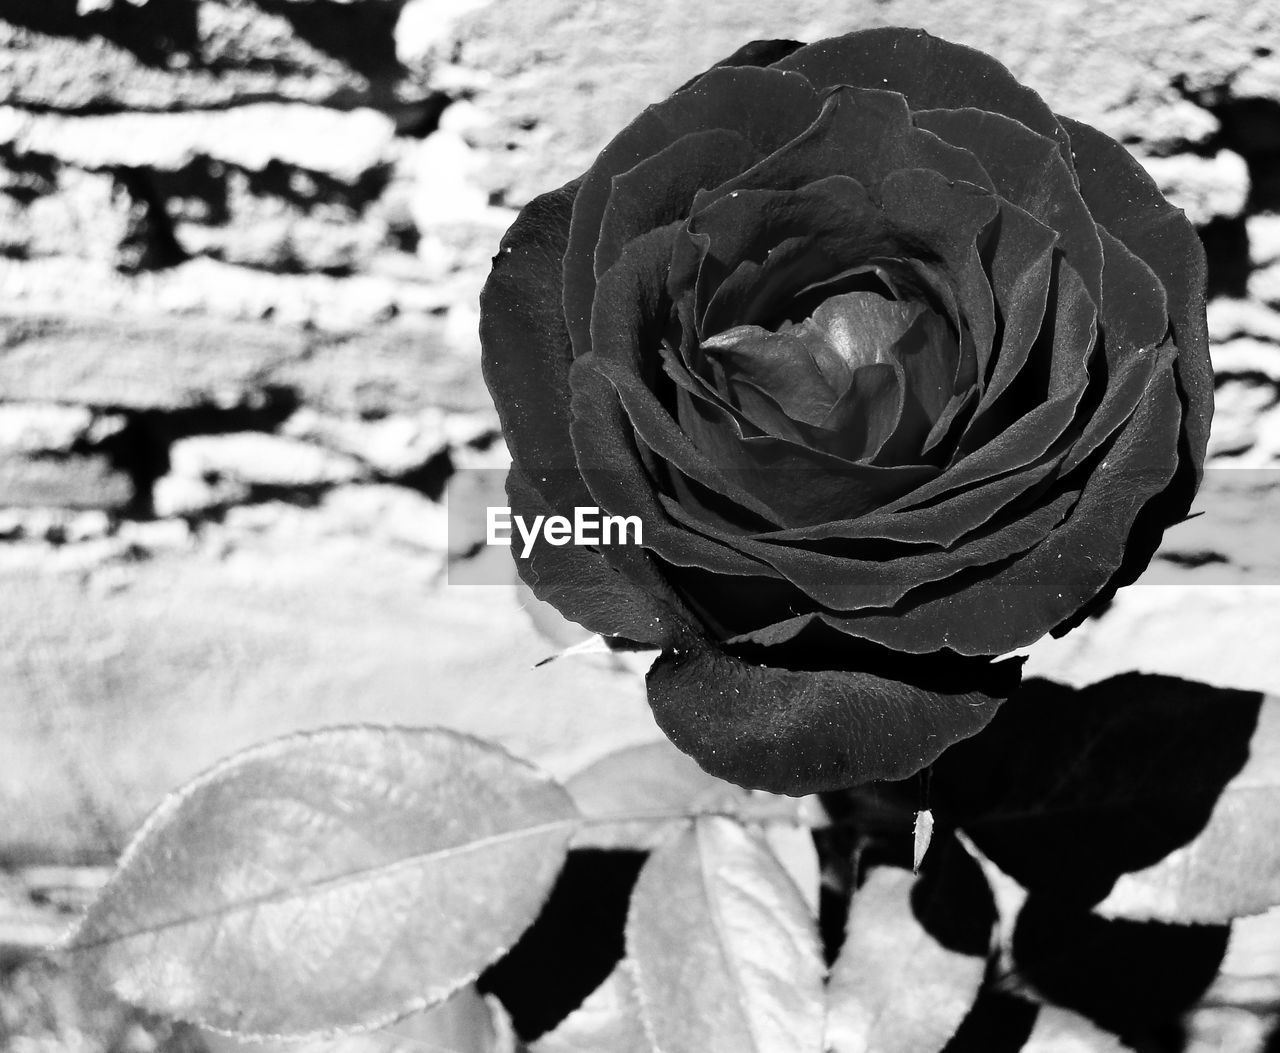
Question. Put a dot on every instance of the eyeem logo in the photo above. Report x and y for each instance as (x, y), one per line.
(588, 527)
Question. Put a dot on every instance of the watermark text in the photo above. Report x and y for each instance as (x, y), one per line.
(587, 527)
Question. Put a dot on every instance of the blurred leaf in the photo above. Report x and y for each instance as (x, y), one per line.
(328, 881)
(794, 848)
(1232, 867)
(726, 957)
(651, 778)
(895, 988)
(1067, 789)
(607, 1022)
(1062, 1031)
(465, 1023)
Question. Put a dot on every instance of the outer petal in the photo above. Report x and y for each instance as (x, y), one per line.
(862, 133)
(526, 360)
(1126, 201)
(526, 353)
(803, 731)
(1029, 171)
(764, 106)
(1017, 604)
(584, 586)
(754, 53)
(931, 73)
(616, 475)
(658, 190)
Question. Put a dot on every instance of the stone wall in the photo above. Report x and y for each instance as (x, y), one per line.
(241, 243)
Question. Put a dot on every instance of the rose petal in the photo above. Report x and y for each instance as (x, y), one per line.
(801, 272)
(931, 73)
(837, 217)
(784, 368)
(765, 106)
(799, 484)
(868, 413)
(616, 477)
(1013, 606)
(936, 524)
(627, 318)
(1126, 201)
(1020, 259)
(1068, 343)
(1029, 171)
(862, 133)
(938, 217)
(526, 354)
(753, 53)
(839, 581)
(1135, 322)
(588, 587)
(658, 190)
(803, 731)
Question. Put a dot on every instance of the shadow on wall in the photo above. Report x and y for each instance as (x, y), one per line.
(362, 36)
(152, 33)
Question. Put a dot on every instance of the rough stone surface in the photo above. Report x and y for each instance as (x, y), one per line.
(185, 54)
(1204, 187)
(1247, 356)
(166, 364)
(62, 482)
(257, 459)
(1264, 284)
(251, 137)
(43, 427)
(1229, 318)
(391, 446)
(1239, 404)
(559, 78)
(1264, 238)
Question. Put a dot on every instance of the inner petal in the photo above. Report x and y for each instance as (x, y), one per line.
(863, 369)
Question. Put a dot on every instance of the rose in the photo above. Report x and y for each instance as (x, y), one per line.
(899, 370)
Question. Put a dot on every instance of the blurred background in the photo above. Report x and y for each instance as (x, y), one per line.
(241, 244)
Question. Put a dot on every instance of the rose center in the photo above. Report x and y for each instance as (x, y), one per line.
(863, 366)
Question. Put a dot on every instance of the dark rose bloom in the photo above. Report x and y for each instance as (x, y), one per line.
(899, 370)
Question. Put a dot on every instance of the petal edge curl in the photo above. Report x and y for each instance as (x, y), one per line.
(801, 731)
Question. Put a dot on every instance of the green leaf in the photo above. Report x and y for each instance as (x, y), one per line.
(609, 1020)
(726, 956)
(1062, 1031)
(653, 778)
(894, 988)
(1231, 868)
(328, 882)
